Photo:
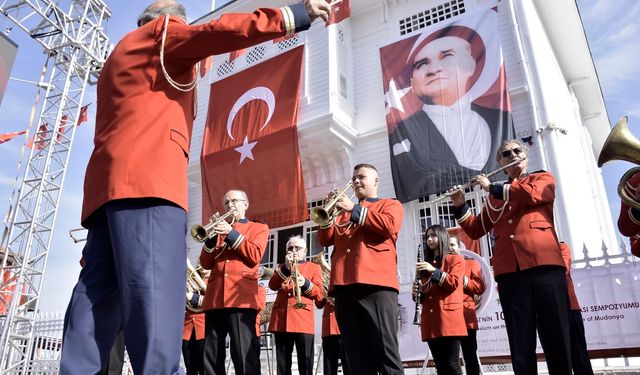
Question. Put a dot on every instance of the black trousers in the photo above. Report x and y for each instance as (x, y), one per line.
(240, 325)
(284, 351)
(193, 354)
(446, 353)
(332, 350)
(579, 354)
(537, 298)
(469, 347)
(368, 319)
(116, 357)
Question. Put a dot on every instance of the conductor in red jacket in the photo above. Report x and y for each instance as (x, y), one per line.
(135, 190)
(292, 317)
(527, 263)
(364, 275)
(232, 299)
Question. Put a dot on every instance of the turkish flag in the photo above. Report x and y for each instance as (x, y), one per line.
(62, 128)
(39, 140)
(6, 137)
(251, 142)
(84, 115)
(340, 10)
(205, 65)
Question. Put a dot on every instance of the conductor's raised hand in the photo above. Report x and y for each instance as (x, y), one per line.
(318, 8)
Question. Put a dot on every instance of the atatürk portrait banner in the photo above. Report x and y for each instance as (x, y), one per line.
(446, 103)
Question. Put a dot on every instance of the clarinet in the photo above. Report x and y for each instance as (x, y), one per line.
(417, 294)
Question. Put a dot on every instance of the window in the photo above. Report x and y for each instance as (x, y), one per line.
(431, 16)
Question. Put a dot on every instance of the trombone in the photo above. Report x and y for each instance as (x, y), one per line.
(325, 215)
(202, 233)
(448, 194)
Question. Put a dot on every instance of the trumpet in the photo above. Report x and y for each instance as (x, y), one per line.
(325, 215)
(448, 194)
(297, 292)
(195, 285)
(202, 233)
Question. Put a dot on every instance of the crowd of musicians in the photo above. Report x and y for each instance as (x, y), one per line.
(131, 288)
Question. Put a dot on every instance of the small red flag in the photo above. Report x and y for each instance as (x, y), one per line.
(39, 140)
(63, 124)
(205, 65)
(340, 10)
(235, 54)
(6, 137)
(84, 115)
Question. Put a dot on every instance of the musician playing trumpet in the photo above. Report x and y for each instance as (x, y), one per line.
(299, 286)
(364, 274)
(442, 323)
(231, 300)
(527, 263)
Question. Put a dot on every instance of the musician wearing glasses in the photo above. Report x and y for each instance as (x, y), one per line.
(527, 263)
(364, 276)
(629, 219)
(231, 301)
(299, 286)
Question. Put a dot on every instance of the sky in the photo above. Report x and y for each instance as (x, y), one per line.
(612, 31)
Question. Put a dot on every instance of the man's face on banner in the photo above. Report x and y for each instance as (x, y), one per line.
(441, 70)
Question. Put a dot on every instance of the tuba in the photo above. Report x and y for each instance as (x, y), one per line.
(195, 286)
(202, 233)
(326, 271)
(621, 144)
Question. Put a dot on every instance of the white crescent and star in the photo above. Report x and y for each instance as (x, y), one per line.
(256, 93)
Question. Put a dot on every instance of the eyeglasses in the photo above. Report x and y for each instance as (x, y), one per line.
(291, 248)
(516, 151)
(234, 201)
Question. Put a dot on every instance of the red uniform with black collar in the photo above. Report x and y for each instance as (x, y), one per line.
(234, 263)
(284, 316)
(472, 285)
(364, 243)
(629, 219)
(442, 300)
(522, 223)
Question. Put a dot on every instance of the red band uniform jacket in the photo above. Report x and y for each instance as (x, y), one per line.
(364, 243)
(193, 321)
(472, 285)
(329, 322)
(566, 256)
(522, 223)
(286, 318)
(629, 219)
(144, 125)
(442, 300)
(234, 263)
